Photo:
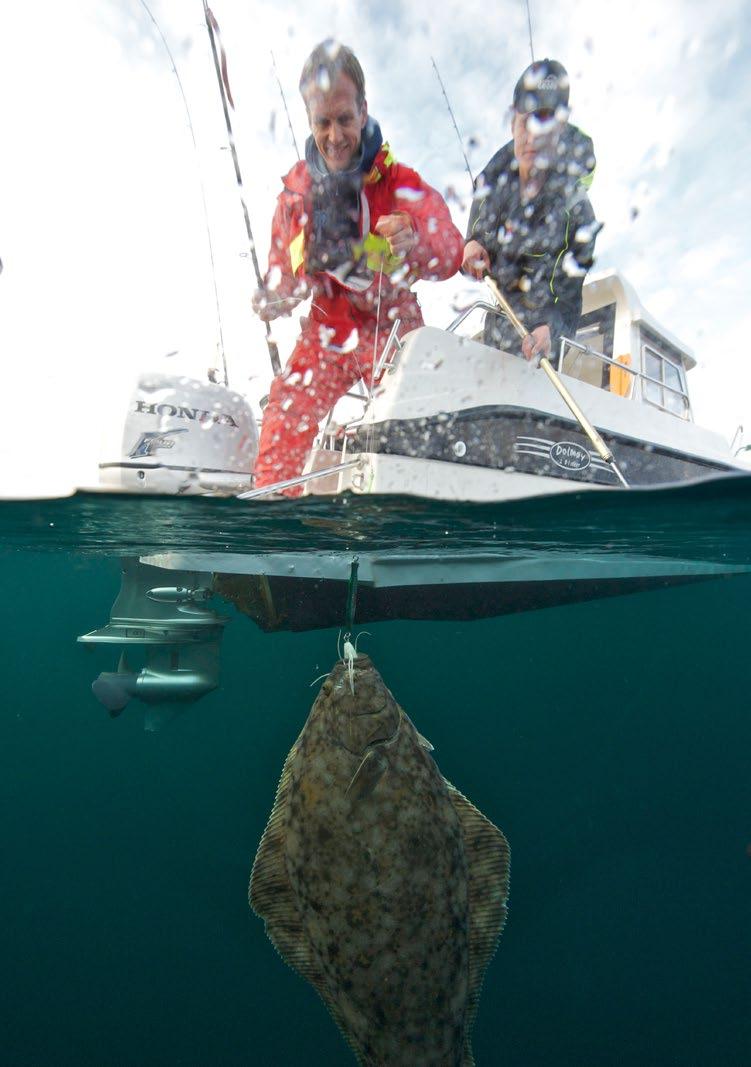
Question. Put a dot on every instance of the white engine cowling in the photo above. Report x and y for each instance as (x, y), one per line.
(184, 436)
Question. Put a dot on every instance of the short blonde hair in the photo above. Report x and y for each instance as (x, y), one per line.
(326, 62)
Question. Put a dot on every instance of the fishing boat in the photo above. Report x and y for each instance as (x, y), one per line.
(456, 420)
(446, 420)
(449, 417)
(450, 421)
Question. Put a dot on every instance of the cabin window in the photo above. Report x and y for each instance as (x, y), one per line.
(664, 382)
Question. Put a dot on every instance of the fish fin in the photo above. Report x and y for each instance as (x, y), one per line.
(270, 894)
(488, 862)
(424, 742)
(367, 776)
(272, 898)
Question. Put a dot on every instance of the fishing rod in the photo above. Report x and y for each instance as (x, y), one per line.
(529, 27)
(451, 113)
(448, 103)
(158, 29)
(225, 93)
(284, 101)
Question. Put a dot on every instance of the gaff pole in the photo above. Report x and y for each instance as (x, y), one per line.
(600, 447)
(224, 91)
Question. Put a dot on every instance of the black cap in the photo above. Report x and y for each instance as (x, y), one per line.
(542, 86)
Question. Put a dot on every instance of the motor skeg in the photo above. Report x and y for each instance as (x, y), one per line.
(182, 435)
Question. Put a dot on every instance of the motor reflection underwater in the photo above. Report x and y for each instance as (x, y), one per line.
(170, 626)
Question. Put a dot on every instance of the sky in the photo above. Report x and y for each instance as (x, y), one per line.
(110, 213)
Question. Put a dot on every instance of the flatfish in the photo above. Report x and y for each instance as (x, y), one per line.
(378, 881)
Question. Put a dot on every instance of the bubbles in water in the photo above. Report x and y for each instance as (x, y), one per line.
(273, 279)
(542, 127)
(325, 335)
(587, 232)
(571, 266)
(405, 192)
(351, 342)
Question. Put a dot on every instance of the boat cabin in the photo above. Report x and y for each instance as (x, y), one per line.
(620, 347)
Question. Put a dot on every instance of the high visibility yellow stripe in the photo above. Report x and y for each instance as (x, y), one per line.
(375, 174)
(558, 259)
(297, 251)
(586, 180)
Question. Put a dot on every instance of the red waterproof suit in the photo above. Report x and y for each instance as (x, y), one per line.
(337, 344)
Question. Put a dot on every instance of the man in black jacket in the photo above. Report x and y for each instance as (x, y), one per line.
(532, 226)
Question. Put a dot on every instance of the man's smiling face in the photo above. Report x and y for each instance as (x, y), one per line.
(336, 121)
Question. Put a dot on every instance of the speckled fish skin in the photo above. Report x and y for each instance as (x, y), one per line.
(378, 881)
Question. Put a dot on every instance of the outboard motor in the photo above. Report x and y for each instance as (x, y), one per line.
(184, 436)
(176, 630)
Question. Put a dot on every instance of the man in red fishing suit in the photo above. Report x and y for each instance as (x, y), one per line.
(353, 229)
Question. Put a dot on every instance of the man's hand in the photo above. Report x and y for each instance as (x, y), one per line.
(398, 230)
(537, 343)
(268, 305)
(476, 260)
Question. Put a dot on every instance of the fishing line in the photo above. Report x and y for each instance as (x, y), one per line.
(351, 606)
(157, 27)
(377, 327)
(370, 431)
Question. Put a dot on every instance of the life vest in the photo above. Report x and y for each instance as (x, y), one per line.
(371, 250)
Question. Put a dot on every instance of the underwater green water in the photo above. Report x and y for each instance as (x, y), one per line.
(610, 740)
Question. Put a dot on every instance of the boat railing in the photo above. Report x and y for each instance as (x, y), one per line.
(328, 436)
(483, 305)
(635, 373)
(386, 359)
